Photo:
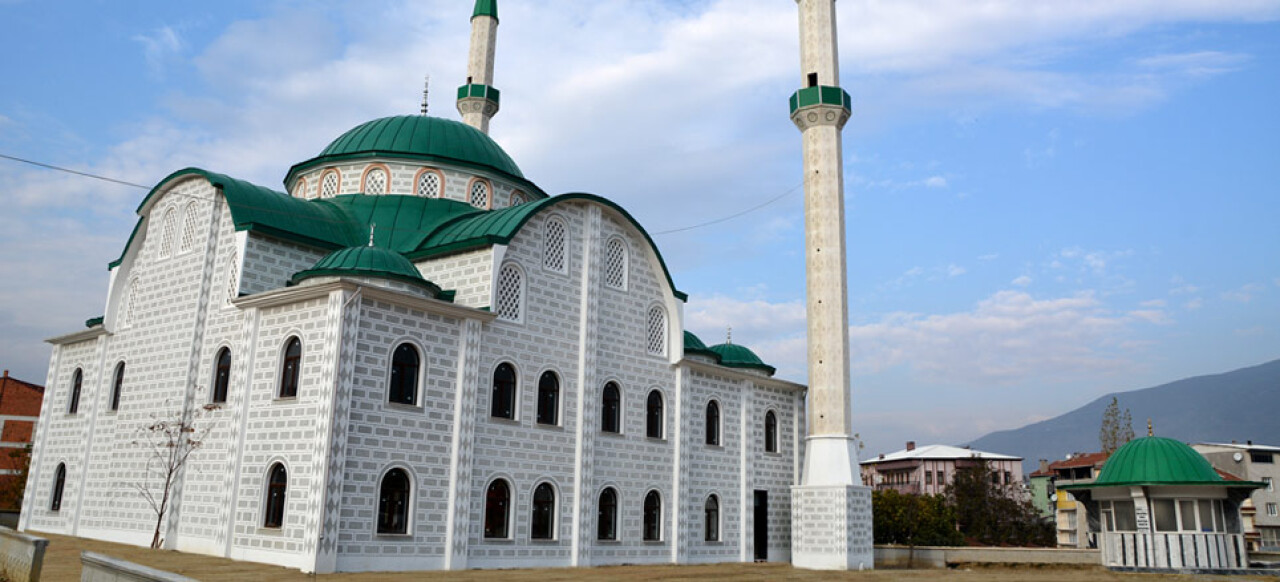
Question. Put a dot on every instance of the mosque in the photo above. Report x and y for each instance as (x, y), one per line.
(412, 358)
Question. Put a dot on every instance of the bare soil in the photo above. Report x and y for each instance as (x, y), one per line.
(62, 563)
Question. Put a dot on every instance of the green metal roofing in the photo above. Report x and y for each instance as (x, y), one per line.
(367, 261)
(694, 345)
(736, 356)
(94, 321)
(486, 8)
(820, 95)
(481, 91)
(1158, 461)
(132, 235)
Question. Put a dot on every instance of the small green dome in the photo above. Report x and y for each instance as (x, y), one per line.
(693, 345)
(1157, 461)
(736, 356)
(367, 261)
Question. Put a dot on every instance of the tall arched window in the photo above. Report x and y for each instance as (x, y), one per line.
(713, 423)
(59, 481)
(504, 392)
(290, 368)
(167, 233)
(770, 432)
(190, 226)
(711, 519)
(117, 383)
(497, 508)
(611, 409)
(277, 487)
(657, 338)
(428, 185)
(543, 522)
(607, 515)
(300, 188)
(404, 375)
(221, 375)
(479, 195)
(549, 398)
(330, 184)
(393, 503)
(554, 234)
(233, 278)
(615, 264)
(375, 181)
(77, 379)
(510, 293)
(653, 415)
(652, 517)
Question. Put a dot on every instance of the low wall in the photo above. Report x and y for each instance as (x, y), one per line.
(100, 568)
(940, 557)
(21, 555)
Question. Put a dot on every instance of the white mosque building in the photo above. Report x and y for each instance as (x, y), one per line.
(414, 359)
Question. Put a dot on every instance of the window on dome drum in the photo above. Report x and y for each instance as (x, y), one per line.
(479, 196)
(653, 415)
(510, 293)
(770, 432)
(329, 185)
(652, 517)
(73, 405)
(548, 398)
(711, 519)
(553, 243)
(497, 507)
(611, 409)
(615, 264)
(167, 233)
(542, 524)
(189, 228)
(277, 487)
(657, 343)
(393, 503)
(504, 392)
(221, 376)
(713, 423)
(517, 198)
(59, 481)
(290, 368)
(404, 375)
(375, 181)
(300, 188)
(116, 384)
(607, 515)
(428, 185)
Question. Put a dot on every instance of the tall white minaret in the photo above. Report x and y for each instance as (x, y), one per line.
(478, 99)
(831, 510)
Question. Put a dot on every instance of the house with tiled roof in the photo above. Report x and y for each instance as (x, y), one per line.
(19, 411)
(929, 469)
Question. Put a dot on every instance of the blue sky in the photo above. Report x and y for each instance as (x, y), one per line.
(1047, 201)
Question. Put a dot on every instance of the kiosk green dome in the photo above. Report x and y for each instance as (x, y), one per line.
(1156, 460)
(367, 261)
(736, 356)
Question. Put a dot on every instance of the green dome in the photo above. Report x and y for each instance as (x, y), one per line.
(693, 345)
(1157, 461)
(367, 261)
(736, 356)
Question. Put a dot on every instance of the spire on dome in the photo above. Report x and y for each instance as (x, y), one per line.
(486, 8)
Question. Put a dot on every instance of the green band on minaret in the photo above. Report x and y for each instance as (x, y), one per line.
(486, 8)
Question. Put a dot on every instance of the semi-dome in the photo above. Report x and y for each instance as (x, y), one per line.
(1157, 461)
(736, 356)
(367, 261)
(693, 345)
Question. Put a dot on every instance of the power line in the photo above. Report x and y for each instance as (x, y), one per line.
(734, 215)
(76, 172)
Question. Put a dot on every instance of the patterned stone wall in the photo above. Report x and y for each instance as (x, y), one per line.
(832, 527)
(469, 274)
(269, 263)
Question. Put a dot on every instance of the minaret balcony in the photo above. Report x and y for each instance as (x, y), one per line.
(820, 105)
(478, 98)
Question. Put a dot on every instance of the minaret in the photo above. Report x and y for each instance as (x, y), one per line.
(831, 510)
(477, 99)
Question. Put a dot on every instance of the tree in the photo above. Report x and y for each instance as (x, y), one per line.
(168, 441)
(14, 484)
(913, 520)
(995, 514)
(1117, 427)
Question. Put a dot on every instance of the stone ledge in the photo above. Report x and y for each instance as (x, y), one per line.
(100, 568)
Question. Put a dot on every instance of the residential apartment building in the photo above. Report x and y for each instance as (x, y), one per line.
(19, 411)
(929, 469)
(1252, 463)
(1069, 513)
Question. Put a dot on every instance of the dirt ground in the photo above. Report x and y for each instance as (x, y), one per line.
(62, 564)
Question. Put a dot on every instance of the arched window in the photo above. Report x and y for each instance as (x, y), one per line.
(290, 367)
(77, 379)
(611, 409)
(510, 295)
(554, 234)
(300, 188)
(653, 415)
(428, 185)
(167, 234)
(59, 480)
(652, 517)
(543, 522)
(233, 278)
(479, 196)
(615, 264)
(711, 519)
(517, 197)
(393, 503)
(504, 392)
(124, 312)
(189, 229)
(657, 339)
(375, 181)
(277, 487)
(548, 398)
(607, 515)
(404, 375)
(330, 184)
(770, 432)
(221, 375)
(713, 423)
(117, 383)
(497, 507)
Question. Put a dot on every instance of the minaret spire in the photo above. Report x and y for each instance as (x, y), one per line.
(478, 99)
(831, 510)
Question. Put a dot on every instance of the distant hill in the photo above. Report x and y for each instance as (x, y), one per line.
(1240, 405)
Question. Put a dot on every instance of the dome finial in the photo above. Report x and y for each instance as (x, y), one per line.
(1151, 431)
(728, 335)
(426, 88)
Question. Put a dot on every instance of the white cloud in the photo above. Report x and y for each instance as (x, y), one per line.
(1022, 281)
(989, 257)
(1193, 304)
(1196, 64)
(935, 182)
(1154, 303)
(954, 270)
(160, 47)
(1244, 294)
